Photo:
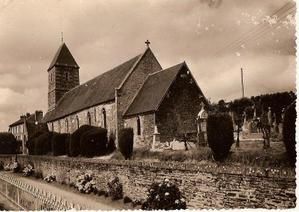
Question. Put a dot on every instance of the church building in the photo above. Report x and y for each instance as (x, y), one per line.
(138, 93)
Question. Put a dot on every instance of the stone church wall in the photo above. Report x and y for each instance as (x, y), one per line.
(96, 117)
(147, 65)
(147, 123)
(178, 112)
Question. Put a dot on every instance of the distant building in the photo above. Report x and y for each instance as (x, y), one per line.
(25, 126)
(138, 94)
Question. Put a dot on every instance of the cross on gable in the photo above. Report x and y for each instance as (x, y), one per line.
(147, 42)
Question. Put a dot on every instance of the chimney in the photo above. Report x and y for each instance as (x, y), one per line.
(27, 115)
(38, 115)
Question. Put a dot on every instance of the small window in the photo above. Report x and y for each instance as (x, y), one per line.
(104, 117)
(88, 118)
(59, 126)
(67, 76)
(66, 126)
(138, 126)
(77, 122)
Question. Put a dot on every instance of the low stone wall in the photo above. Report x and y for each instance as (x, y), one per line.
(204, 186)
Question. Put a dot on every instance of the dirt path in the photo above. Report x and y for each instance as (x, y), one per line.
(90, 202)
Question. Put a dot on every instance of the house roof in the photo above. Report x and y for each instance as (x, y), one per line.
(31, 117)
(63, 57)
(96, 91)
(153, 91)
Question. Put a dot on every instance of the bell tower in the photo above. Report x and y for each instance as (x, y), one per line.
(63, 75)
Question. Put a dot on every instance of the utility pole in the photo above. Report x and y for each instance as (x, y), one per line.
(242, 82)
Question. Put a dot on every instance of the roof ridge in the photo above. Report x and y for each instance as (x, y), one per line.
(97, 76)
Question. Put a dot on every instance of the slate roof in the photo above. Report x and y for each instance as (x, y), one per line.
(63, 57)
(21, 120)
(96, 91)
(153, 91)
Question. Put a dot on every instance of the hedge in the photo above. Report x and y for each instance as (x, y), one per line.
(74, 146)
(220, 134)
(42, 143)
(8, 143)
(93, 142)
(289, 130)
(58, 143)
(125, 142)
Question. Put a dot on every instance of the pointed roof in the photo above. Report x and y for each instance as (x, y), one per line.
(63, 57)
(153, 90)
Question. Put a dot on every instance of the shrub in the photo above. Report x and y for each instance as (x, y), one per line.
(289, 130)
(42, 143)
(93, 142)
(1, 165)
(220, 134)
(85, 183)
(115, 189)
(28, 170)
(8, 143)
(50, 178)
(74, 144)
(125, 142)
(15, 167)
(165, 196)
(58, 143)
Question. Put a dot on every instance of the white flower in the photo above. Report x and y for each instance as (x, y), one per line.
(166, 180)
(166, 194)
(160, 184)
(182, 200)
(177, 201)
(168, 185)
(157, 196)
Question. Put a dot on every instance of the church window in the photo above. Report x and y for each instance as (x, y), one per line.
(88, 118)
(95, 115)
(104, 117)
(52, 126)
(138, 126)
(59, 126)
(77, 122)
(67, 76)
(66, 126)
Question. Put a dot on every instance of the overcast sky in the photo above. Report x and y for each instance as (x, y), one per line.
(215, 38)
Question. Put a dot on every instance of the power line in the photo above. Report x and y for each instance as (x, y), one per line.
(255, 30)
(259, 34)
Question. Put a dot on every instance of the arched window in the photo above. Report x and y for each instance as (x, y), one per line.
(138, 126)
(104, 117)
(95, 115)
(77, 122)
(59, 126)
(66, 125)
(52, 126)
(88, 118)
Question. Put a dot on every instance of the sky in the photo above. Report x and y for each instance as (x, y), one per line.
(215, 38)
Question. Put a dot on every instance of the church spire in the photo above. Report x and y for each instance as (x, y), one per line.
(63, 57)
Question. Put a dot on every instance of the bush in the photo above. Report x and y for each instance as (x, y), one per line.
(164, 196)
(74, 146)
(8, 143)
(28, 170)
(42, 143)
(58, 143)
(125, 142)
(220, 134)
(30, 144)
(50, 178)
(93, 142)
(115, 189)
(289, 130)
(85, 183)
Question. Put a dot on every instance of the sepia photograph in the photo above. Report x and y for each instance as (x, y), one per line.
(147, 105)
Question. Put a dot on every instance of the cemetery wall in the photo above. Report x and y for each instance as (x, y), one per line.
(204, 185)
